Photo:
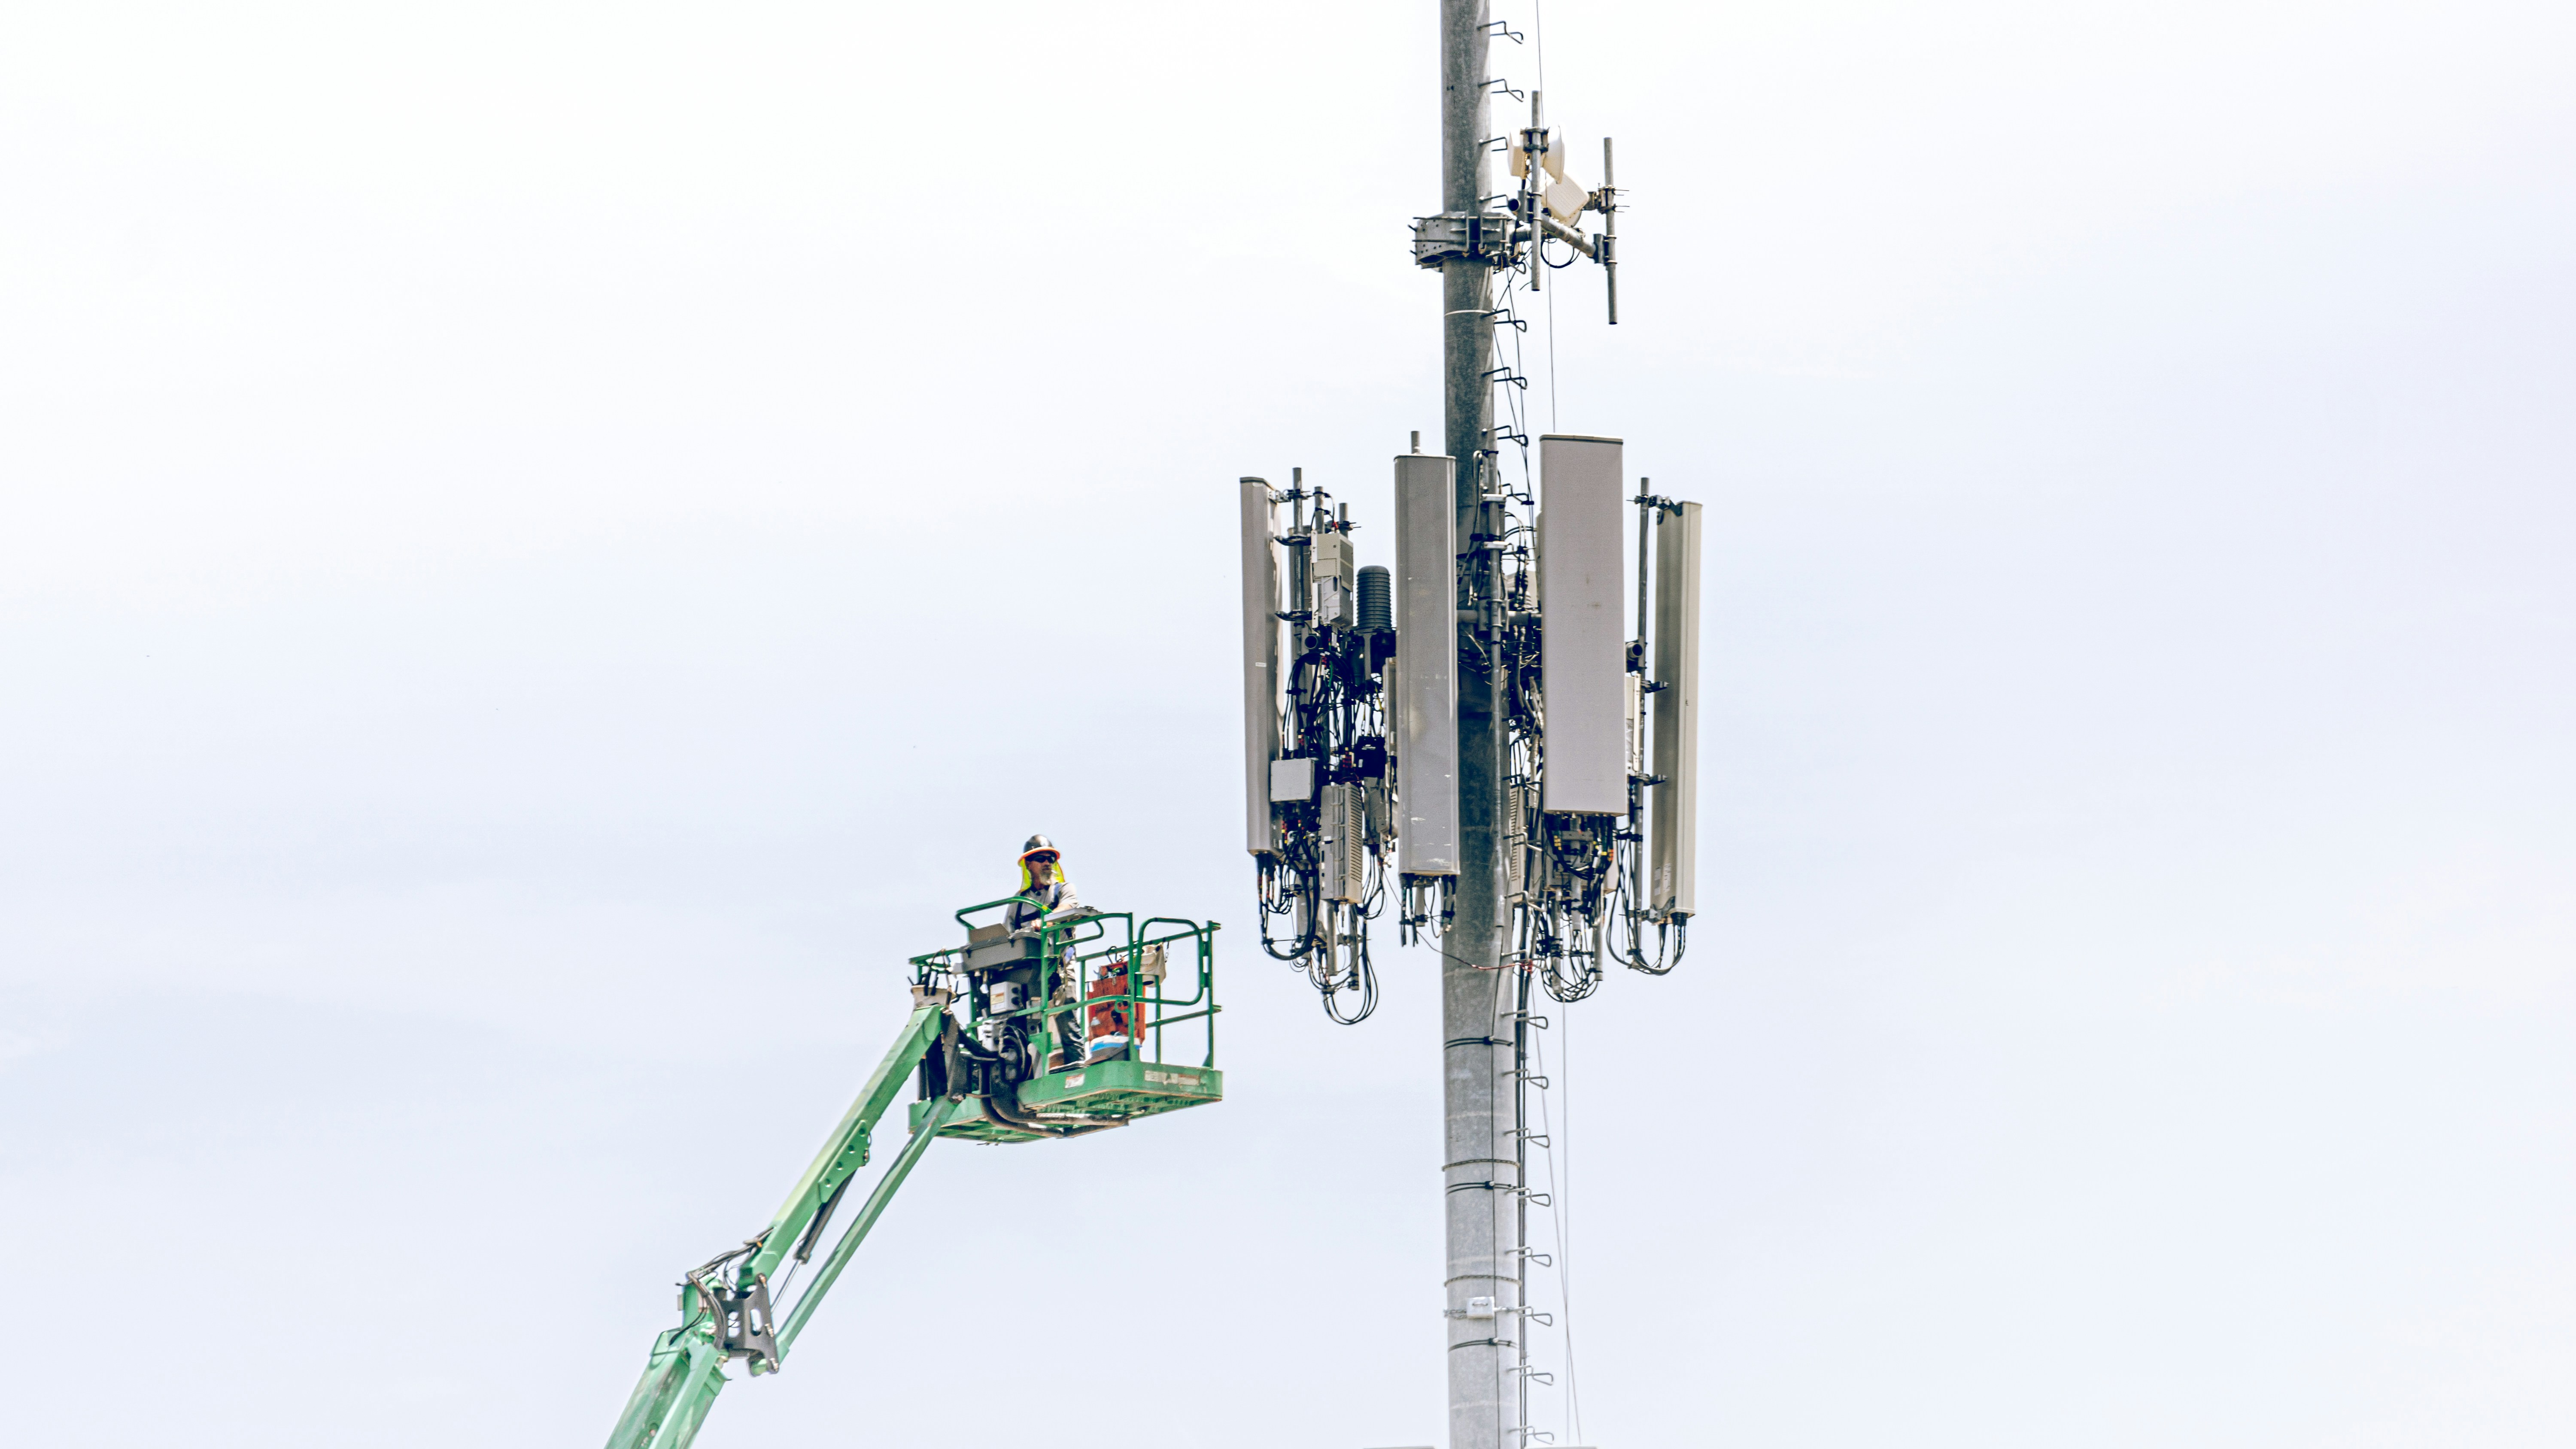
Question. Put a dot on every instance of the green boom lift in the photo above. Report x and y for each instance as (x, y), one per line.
(1064, 1034)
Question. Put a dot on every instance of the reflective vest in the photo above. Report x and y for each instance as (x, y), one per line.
(1035, 900)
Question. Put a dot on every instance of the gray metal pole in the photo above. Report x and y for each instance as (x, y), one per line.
(1479, 1172)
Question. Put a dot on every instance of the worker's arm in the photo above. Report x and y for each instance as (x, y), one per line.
(1029, 918)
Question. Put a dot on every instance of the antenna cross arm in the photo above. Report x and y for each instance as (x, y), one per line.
(1568, 235)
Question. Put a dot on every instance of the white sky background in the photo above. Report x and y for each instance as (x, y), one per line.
(542, 548)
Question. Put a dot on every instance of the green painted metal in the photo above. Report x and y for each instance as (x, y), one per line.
(680, 1384)
(685, 1370)
(847, 1151)
(896, 1171)
(1105, 1092)
(970, 1124)
(1123, 1089)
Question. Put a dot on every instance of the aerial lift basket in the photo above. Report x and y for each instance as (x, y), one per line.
(1134, 1000)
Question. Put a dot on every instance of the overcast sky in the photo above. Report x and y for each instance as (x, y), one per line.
(544, 547)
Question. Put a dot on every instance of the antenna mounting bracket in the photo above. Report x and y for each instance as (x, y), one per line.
(1472, 236)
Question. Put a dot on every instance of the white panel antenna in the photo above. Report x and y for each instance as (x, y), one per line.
(1426, 653)
(1260, 664)
(1582, 641)
(1674, 800)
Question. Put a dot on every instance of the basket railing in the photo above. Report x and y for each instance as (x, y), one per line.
(1093, 967)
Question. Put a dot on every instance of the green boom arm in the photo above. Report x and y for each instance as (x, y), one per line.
(724, 1305)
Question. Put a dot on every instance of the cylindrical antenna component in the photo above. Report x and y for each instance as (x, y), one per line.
(1426, 653)
(1608, 250)
(1377, 610)
(1583, 646)
(1645, 527)
(1260, 664)
(1532, 186)
(1673, 840)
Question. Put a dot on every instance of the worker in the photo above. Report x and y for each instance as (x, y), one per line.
(1043, 889)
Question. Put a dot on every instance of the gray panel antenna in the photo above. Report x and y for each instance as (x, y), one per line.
(1426, 654)
(1583, 646)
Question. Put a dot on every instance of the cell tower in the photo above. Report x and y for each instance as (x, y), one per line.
(1475, 736)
